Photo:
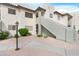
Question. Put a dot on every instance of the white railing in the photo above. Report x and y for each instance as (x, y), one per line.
(61, 32)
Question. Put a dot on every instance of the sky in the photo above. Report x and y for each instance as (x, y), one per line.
(61, 7)
(66, 7)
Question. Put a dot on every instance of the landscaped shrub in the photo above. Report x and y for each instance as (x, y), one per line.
(4, 35)
(23, 31)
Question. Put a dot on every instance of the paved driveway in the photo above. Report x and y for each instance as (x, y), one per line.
(34, 46)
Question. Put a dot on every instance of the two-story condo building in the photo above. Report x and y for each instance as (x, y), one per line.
(42, 21)
(9, 14)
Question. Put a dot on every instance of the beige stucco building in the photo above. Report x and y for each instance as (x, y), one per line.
(42, 21)
(11, 13)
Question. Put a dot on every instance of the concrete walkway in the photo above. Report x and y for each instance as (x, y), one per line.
(34, 46)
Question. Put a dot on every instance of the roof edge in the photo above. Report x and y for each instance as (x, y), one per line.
(19, 6)
(70, 16)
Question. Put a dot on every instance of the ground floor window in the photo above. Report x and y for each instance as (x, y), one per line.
(11, 27)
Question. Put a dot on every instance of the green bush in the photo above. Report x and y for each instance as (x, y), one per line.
(4, 35)
(23, 31)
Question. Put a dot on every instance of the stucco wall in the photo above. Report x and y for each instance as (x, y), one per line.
(9, 19)
(63, 20)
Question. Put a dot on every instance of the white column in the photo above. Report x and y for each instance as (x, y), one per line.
(39, 23)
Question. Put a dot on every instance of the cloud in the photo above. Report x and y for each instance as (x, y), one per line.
(65, 8)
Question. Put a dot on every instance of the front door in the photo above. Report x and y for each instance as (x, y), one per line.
(36, 28)
(69, 22)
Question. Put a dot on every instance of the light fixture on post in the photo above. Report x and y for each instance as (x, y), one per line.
(17, 23)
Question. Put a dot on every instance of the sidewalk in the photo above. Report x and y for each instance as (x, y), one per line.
(33, 46)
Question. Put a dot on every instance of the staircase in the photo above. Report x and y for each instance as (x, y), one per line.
(60, 31)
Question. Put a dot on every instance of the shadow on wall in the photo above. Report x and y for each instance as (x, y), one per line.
(46, 32)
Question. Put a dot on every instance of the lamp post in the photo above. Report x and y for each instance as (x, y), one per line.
(17, 23)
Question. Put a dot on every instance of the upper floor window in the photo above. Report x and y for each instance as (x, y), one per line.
(51, 15)
(11, 11)
(29, 15)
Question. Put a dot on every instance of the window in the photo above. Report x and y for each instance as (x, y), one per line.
(51, 16)
(29, 27)
(11, 27)
(11, 11)
(29, 15)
